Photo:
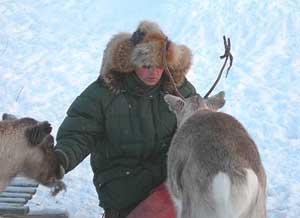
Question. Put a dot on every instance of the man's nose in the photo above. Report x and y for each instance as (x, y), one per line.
(156, 71)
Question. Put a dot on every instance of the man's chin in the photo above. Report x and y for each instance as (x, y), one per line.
(151, 82)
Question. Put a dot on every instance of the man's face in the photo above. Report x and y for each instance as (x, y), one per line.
(149, 75)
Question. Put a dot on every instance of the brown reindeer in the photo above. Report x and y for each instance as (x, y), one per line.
(214, 167)
(26, 148)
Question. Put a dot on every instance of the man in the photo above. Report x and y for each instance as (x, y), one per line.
(122, 120)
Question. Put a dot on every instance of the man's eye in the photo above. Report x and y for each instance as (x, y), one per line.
(147, 66)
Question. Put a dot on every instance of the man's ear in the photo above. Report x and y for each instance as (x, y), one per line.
(216, 101)
(175, 103)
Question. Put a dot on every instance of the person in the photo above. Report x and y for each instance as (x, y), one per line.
(122, 120)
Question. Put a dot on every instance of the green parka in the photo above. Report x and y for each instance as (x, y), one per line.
(127, 134)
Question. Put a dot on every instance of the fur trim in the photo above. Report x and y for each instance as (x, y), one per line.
(150, 51)
(125, 52)
(147, 26)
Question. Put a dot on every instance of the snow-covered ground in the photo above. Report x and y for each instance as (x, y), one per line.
(50, 50)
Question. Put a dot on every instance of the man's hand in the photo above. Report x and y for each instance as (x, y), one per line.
(62, 162)
(61, 172)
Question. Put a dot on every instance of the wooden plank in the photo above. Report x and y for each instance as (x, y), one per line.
(15, 195)
(13, 200)
(13, 209)
(29, 190)
(2, 204)
(48, 213)
(23, 182)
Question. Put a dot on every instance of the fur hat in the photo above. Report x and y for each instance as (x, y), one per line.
(125, 52)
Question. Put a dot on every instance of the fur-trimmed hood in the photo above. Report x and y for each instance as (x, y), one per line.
(125, 52)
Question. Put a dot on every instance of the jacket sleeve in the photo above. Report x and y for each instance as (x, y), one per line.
(187, 89)
(78, 133)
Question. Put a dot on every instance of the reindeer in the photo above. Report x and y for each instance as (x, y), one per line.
(27, 148)
(214, 167)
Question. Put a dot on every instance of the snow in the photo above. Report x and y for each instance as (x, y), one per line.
(50, 50)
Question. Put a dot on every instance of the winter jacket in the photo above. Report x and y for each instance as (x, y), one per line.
(127, 135)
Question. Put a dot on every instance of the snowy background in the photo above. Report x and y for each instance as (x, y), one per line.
(50, 50)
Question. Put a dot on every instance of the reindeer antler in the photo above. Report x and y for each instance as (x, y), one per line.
(226, 55)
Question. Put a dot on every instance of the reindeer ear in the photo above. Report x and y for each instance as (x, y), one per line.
(175, 103)
(217, 101)
(46, 127)
(6, 116)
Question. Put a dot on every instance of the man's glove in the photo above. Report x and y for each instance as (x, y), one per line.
(61, 157)
(61, 172)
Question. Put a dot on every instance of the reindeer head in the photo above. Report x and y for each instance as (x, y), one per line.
(184, 108)
(36, 147)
